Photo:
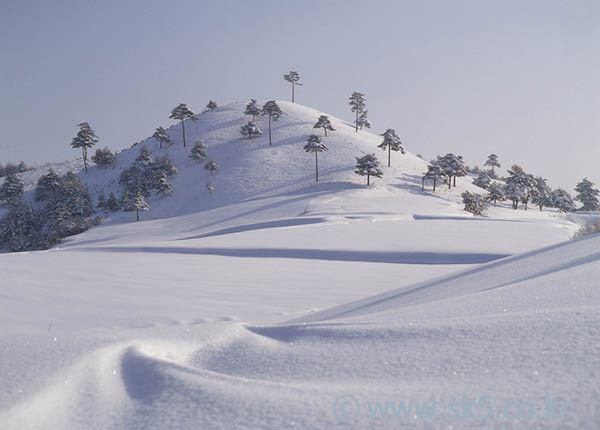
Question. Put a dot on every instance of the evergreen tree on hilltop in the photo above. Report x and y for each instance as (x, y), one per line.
(324, 123)
(198, 152)
(541, 193)
(588, 195)
(272, 109)
(315, 145)
(181, 113)
(212, 167)
(562, 200)
(253, 109)
(250, 130)
(492, 162)
(12, 189)
(391, 142)
(293, 78)
(357, 102)
(368, 165)
(104, 158)
(161, 136)
(363, 120)
(85, 139)
(495, 193)
(434, 173)
(211, 106)
(482, 181)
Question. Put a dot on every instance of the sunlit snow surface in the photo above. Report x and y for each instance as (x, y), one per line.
(259, 305)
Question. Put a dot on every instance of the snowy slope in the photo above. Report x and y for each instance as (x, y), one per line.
(260, 304)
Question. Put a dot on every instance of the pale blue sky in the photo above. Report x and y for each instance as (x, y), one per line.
(519, 78)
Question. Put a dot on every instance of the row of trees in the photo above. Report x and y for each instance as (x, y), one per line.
(11, 169)
(62, 207)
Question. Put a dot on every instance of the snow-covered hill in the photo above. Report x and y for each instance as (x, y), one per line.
(258, 305)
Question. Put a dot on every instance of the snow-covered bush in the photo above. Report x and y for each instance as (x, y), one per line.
(474, 203)
(104, 158)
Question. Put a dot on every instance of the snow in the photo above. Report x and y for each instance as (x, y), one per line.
(259, 305)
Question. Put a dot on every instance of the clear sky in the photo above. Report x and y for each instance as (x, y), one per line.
(518, 78)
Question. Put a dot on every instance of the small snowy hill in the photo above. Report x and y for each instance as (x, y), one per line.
(251, 168)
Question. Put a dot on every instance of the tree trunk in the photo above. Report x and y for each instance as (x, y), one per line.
(389, 155)
(183, 128)
(84, 155)
(293, 93)
(449, 182)
(325, 128)
(455, 181)
(270, 143)
(137, 214)
(434, 182)
(356, 128)
(316, 168)
(422, 184)
(368, 179)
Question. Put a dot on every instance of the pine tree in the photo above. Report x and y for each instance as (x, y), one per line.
(101, 202)
(391, 142)
(293, 78)
(212, 167)
(562, 200)
(104, 158)
(48, 186)
(492, 162)
(588, 195)
(474, 203)
(85, 139)
(541, 193)
(518, 186)
(162, 185)
(495, 193)
(253, 109)
(482, 181)
(324, 123)
(271, 108)
(250, 130)
(363, 121)
(144, 160)
(368, 166)
(140, 204)
(12, 189)
(112, 204)
(315, 145)
(198, 152)
(434, 173)
(18, 227)
(357, 104)
(181, 113)
(161, 136)
(453, 166)
(211, 106)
